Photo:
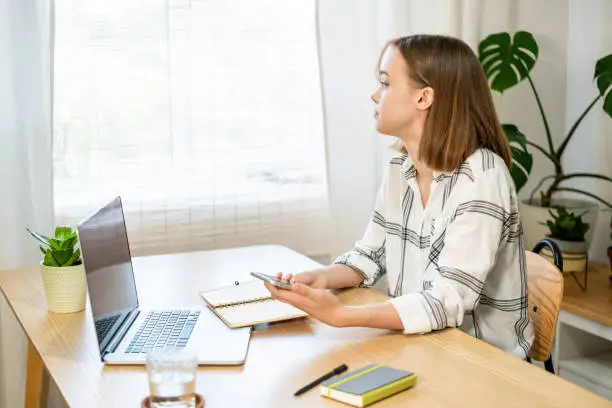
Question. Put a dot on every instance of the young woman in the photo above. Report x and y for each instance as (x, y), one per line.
(445, 229)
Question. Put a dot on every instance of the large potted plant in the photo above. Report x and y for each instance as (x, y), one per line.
(507, 61)
(568, 231)
(62, 271)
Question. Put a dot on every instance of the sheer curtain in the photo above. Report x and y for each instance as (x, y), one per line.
(25, 163)
(204, 115)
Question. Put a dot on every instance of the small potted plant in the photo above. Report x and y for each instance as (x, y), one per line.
(568, 231)
(62, 271)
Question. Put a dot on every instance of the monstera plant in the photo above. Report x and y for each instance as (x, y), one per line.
(509, 60)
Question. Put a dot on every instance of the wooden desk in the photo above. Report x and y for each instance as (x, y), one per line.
(455, 370)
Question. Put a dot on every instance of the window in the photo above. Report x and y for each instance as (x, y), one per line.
(204, 115)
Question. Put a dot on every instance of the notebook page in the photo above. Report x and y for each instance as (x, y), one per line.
(265, 311)
(229, 295)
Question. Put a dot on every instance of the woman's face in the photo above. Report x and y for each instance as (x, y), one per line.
(398, 102)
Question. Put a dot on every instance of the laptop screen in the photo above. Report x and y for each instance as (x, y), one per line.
(108, 264)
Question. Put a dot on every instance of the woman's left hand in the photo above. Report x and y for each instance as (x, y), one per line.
(318, 303)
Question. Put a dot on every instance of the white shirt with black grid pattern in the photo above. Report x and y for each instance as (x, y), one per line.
(458, 262)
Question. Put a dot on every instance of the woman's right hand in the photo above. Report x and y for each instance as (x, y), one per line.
(311, 278)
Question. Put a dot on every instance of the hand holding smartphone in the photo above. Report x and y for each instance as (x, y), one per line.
(272, 280)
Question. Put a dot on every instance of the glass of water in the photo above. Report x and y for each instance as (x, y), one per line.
(172, 377)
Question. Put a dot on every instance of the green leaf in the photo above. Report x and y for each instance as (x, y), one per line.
(69, 243)
(50, 260)
(585, 228)
(43, 239)
(567, 226)
(43, 250)
(55, 244)
(62, 256)
(507, 62)
(63, 232)
(75, 259)
(603, 76)
(522, 160)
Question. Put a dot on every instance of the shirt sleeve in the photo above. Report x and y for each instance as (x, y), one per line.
(368, 255)
(468, 251)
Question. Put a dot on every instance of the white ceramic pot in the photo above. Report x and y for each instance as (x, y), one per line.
(65, 288)
(533, 217)
(574, 255)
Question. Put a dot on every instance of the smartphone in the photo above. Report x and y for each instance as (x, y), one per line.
(272, 280)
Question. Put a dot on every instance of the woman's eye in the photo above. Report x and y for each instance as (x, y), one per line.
(384, 84)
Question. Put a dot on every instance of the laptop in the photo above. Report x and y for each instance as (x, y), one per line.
(125, 332)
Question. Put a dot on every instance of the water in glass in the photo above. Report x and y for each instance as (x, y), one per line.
(172, 378)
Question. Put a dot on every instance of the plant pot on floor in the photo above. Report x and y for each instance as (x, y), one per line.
(534, 217)
(65, 288)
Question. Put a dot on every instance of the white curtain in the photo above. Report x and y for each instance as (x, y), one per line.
(205, 116)
(26, 163)
(348, 49)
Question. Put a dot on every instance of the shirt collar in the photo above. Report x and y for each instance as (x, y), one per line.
(409, 171)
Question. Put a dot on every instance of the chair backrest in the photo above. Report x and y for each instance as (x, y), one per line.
(545, 284)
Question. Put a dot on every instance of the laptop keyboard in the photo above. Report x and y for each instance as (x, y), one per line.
(104, 325)
(161, 329)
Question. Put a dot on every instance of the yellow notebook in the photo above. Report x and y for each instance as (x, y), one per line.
(368, 385)
(247, 304)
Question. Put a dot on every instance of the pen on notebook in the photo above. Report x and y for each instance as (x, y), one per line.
(338, 370)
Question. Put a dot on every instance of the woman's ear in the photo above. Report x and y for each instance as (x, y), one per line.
(426, 97)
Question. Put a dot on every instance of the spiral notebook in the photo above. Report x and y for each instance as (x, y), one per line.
(247, 304)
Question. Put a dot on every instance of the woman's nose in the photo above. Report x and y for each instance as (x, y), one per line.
(374, 97)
